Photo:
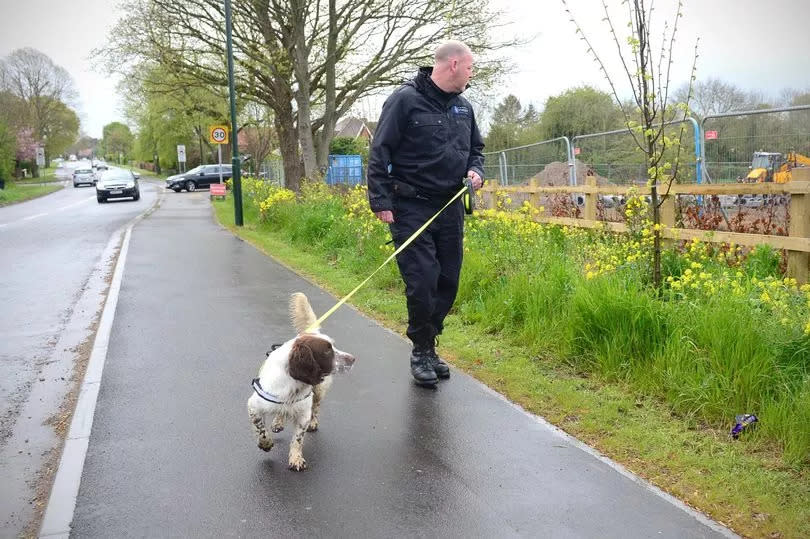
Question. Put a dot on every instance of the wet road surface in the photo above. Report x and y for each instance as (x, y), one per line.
(55, 253)
(172, 453)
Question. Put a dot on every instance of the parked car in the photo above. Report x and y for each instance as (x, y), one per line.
(201, 176)
(83, 176)
(117, 183)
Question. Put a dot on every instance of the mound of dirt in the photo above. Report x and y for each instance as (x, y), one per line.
(556, 174)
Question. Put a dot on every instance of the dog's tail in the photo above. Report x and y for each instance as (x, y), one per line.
(301, 312)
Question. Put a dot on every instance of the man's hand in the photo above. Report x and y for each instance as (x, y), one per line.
(475, 179)
(386, 216)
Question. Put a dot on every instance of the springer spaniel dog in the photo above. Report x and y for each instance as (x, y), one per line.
(293, 381)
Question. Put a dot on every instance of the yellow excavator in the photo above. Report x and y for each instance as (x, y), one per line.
(775, 167)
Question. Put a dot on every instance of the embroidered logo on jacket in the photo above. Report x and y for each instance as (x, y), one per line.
(461, 111)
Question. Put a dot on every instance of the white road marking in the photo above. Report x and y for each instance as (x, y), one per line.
(65, 490)
(38, 215)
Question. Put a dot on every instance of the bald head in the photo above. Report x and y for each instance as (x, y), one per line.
(451, 49)
(452, 66)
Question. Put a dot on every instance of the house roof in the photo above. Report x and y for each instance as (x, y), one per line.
(351, 127)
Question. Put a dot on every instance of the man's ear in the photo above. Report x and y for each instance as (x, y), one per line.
(303, 366)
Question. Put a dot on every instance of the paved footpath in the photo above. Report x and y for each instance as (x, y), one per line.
(171, 452)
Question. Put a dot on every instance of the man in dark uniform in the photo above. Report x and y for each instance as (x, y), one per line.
(425, 145)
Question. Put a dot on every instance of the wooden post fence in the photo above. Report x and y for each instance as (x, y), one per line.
(796, 243)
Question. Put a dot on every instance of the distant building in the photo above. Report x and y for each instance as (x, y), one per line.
(353, 128)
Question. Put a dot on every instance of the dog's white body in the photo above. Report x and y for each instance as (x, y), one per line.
(299, 401)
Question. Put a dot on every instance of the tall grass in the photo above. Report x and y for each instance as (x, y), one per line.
(705, 351)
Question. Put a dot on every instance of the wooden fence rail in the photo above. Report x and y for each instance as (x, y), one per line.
(796, 243)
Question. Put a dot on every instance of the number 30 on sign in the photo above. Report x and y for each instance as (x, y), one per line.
(218, 134)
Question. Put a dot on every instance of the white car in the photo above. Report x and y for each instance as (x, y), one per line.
(83, 176)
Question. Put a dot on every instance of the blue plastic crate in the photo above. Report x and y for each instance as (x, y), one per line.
(347, 169)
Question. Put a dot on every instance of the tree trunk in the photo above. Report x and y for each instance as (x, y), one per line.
(328, 130)
(288, 144)
(200, 140)
(300, 53)
(656, 236)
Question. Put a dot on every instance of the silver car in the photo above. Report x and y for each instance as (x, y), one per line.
(117, 183)
(84, 176)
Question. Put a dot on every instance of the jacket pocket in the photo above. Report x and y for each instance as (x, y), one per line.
(426, 119)
(429, 127)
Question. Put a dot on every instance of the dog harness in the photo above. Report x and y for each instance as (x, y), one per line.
(257, 387)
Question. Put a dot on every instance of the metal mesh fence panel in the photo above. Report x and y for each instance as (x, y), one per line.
(546, 162)
(615, 157)
(736, 144)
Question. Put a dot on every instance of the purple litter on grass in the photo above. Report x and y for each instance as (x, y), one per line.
(743, 421)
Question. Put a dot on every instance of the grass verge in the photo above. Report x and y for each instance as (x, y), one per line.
(746, 486)
(15, 192)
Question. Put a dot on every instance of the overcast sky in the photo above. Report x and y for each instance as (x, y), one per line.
(757, 45)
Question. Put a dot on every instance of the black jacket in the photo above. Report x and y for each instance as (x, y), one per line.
(426, 138)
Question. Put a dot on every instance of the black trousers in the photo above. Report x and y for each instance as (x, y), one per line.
(430, 265)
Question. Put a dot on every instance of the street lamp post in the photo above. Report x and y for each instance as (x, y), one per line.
(237, 176)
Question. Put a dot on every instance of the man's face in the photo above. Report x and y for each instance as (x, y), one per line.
(462, 71)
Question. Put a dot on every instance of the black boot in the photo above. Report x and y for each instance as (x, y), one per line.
(441, 368)
(422, 367)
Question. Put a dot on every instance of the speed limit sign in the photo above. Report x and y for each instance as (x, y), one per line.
(218, 134)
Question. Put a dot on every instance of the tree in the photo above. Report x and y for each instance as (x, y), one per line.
(794, 98)
(256, 132)
(168, 109)
(27, 145)
(350, 146)
(85, 143)
(649, 77)
(8, 148)
(116, 140)
(60, 131)
(509, 122)
(13, 110)
(713, 96)
(578, 111)
(44, 86)
(309, 62)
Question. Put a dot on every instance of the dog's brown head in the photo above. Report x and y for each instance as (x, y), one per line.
(312, 359)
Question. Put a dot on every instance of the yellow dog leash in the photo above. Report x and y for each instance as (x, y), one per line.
(468, 203)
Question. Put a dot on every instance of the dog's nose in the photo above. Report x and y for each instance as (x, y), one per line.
(343, 361)
(348, 359)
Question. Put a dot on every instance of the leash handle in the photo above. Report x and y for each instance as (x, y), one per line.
(407, 242)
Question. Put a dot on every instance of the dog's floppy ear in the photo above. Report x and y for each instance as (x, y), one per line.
(311, 359)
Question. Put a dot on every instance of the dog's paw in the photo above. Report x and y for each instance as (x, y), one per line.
(297, 464)
(265, 444)
(278, 425)
(313, 425)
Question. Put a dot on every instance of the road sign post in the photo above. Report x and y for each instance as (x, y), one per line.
(219, 154)
(181, 156)
(237, 176)
(218, 134)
